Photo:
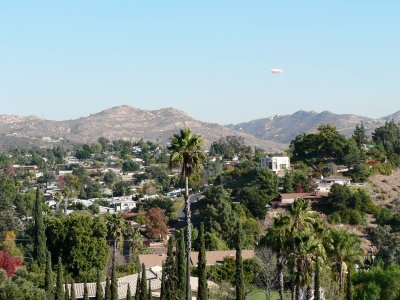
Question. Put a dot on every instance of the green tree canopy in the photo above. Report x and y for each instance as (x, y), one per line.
(326, 145)
(218, 215)
(80, 239)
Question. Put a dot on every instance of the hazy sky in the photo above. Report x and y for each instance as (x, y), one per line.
(212, 59)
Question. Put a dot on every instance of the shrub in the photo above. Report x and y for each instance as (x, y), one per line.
(8, 263)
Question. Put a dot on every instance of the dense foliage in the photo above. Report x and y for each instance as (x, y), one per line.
(349, 205)
(79, 239)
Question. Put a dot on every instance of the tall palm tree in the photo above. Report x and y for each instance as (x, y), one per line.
(303, 243)
(116, 225)
(187, 153)
(277, 239)
(301, 217)
(322, 244)
(347, 251)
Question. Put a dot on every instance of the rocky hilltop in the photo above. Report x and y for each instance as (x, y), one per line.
(124, 122)
(395, 117)
(285, 128)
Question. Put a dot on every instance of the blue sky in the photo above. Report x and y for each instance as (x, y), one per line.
(66, 59)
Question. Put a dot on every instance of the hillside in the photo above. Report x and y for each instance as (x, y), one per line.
(395, 117)
(284, 128)
(124, 122)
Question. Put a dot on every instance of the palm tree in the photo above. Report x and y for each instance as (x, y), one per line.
(292, 235)
(323, 244)
(186, 152)
(116, 225)
(347, 251)
(301, 218)
(301, 224)
(277, 238)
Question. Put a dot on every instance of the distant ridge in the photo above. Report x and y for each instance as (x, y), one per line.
(395, 117)
(119, 122)
(285, 128)
(127, 122)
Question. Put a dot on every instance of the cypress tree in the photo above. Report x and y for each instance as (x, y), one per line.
(99, 288)
(349, 288)
(85, 291)
(202, 293)
(162, 293)
(73, 294)
(128, 293)
(138, 293)
(316, 281)
(66, 290)
(171, 291)
(149, 296)
(239, 265)
(108, 289)
(135, 261)
(143, 284)
(48, 279)
(39, 231)
(181, 262)
(114, 282)
(59, 295)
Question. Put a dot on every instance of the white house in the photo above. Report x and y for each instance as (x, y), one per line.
(275, 163)
(324, 184)
(125, 203)
(72, 160)
(65, 172)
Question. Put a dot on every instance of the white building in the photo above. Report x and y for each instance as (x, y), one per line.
(325, 184)
(72, 160)
(275, 163)
(65, 172)
(124, 203)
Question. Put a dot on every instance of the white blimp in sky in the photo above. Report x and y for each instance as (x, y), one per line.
(277, 71)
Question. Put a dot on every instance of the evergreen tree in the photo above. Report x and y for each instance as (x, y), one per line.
(48, 279)
(202, 293)
(149, 295)
(239, 265)
(181, 262)
(108, 289)
(171, 291)
(162, 293)
(73, 294)
(136, 261)
(128, 293)
(143, 284)
(99, 288)
(138, 294)
(360, 135)
(59, 295)
(317, 284)
(349, 289)
(39, 231)
(114, 282)
(85, 291)
(66, 290)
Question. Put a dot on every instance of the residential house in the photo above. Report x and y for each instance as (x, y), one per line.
(276, 164)
(325, 184)
(288, 198)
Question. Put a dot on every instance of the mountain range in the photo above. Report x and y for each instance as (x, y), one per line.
(126, 122)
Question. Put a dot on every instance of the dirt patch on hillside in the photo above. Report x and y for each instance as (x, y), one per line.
(385, 190)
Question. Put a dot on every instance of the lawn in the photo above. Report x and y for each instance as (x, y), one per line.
(260, 295)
